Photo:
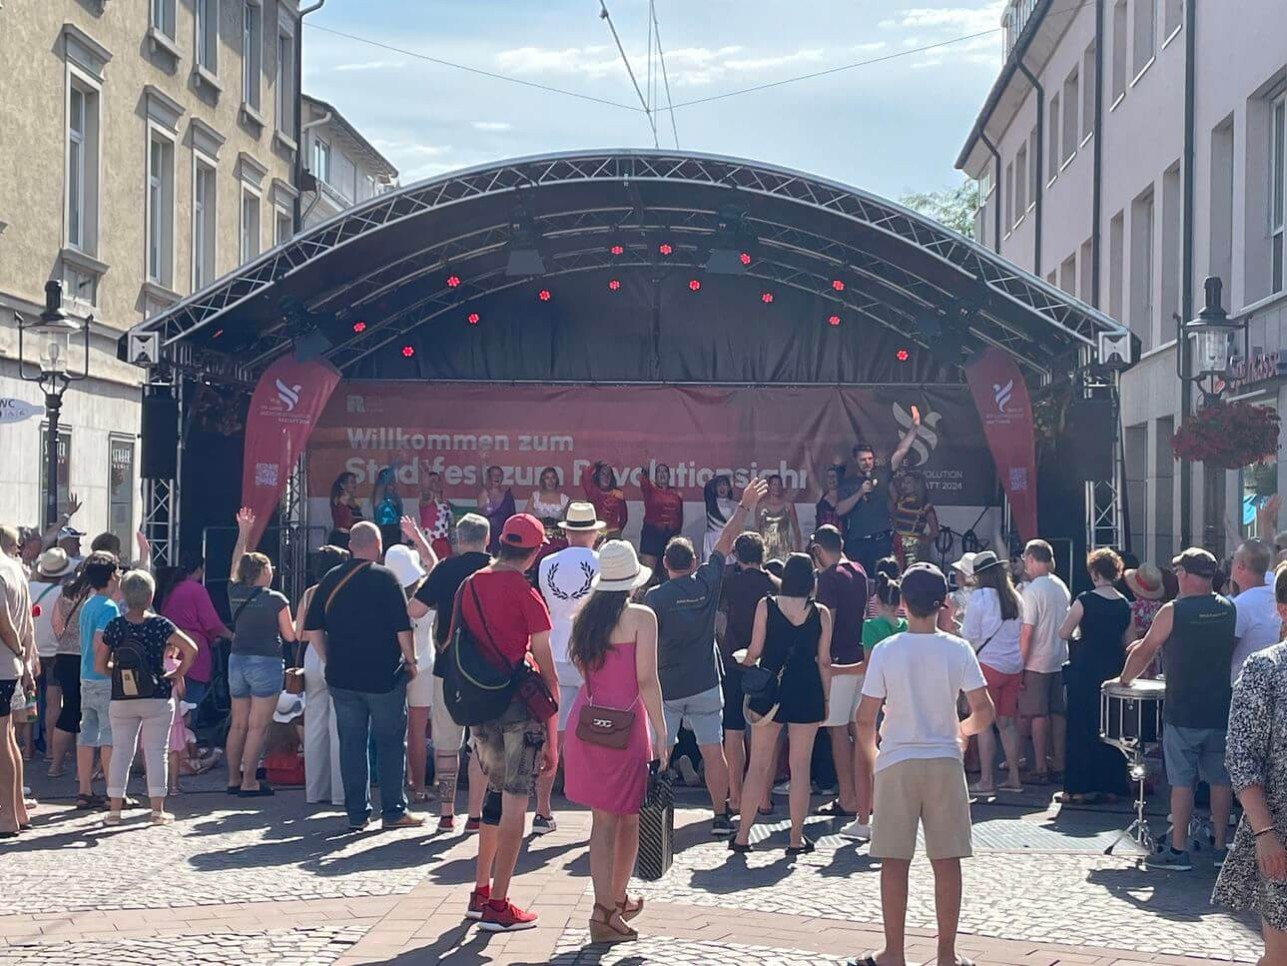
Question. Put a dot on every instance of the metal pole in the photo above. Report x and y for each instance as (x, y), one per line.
(53, 406)
(1186, 270)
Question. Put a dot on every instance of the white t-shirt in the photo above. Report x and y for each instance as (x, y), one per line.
(919, 677)
(1258, 626)
(15, 600)
(1045, 605)
(564, 581)
(983, 621)
(43, 596)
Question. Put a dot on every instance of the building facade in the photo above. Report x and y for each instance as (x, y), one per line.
(149, 147)
(346, 168)
(1128, 150)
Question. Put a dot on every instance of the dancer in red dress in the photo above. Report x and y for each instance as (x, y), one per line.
(663, 514)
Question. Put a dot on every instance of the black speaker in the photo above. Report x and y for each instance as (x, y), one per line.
(160, 449)
(1088, 439)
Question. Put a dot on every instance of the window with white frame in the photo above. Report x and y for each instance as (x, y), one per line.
(249, 224)
(207, 38)
(1121, 16)
(1009, 193)
(82, 174)
(160, 209)
(1034, 175)
(1071, 99)
(1174, 17)
(285, 85)
(205, 210)
(163, 17)
(252, 46)
(1020, 183)
(985, 183)
(1141, 268)
(1278, 192)
(1145, 33)
(1089, 73)
(321, 159)
(284, 226)
(1052, 152)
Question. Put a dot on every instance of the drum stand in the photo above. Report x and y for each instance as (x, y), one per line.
(1138, 833)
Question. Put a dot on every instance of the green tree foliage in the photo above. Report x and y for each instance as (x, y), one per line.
(953, 207)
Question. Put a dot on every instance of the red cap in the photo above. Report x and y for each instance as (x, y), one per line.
(523, 531)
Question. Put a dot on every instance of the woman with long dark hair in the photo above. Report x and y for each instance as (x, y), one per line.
(791, 638)
(614, 645)
(599, 481)
(495, 502)
(720, 504)
(182, 598)
(548, 503)
(346, 508)
(663, 513)
(993, 620)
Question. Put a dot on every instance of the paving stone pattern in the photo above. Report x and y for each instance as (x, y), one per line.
(572, 950)
(304, 946)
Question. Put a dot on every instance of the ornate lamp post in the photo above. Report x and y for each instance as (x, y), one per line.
(1210, 335)
(49, 340)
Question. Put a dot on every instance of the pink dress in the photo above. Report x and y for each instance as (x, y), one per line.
(606, 778)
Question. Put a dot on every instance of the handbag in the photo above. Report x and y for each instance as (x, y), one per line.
(474, 689)
(603, 726)
(293, 676)
(656, 826)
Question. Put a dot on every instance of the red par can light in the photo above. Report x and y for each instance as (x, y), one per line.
(453, 281)
(766, 298)
(408, 351)
(833, 320)
(544, 295)
(472, 318)
(614, 284)
(694, 285)
(744, 258)
(837, 285)
(359, 327)
(665, 248)
(902, 355)
(617, 250)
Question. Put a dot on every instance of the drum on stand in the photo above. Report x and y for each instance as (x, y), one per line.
(1130, 719)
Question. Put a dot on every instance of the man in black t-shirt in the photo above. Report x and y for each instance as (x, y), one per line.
(864, 499)
(359, 625)
(438, 594)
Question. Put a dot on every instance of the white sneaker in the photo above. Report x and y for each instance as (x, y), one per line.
(782, 790)
(856, 831)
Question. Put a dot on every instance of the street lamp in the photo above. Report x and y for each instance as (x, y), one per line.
(50, 338)
(1210, 335)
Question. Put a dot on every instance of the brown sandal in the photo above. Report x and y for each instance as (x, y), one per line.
(630, 908)
(603, 931)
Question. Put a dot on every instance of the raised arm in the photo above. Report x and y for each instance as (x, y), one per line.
(751, 496)
(905, 444)
(589, 483)
(245, 522)
(428, 559)
(50, 536)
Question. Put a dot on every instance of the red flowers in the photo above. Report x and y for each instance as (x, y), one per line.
(1229, 435)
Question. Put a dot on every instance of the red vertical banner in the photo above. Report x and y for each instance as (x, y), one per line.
(286, 405)
(1005, 409)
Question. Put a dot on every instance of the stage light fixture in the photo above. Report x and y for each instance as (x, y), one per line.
(359, 327)
(218, 333)
(744, 258)
(472, 318)
(694, 285)
(408, 351)
(617, 250)
(902, 355)
(453, 281)
(837, 285)
(833, 320)
(544, 295)
(730, 253)
(766, 298)
(665, 248)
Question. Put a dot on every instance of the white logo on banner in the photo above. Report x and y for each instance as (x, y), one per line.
(265, 474)
(289, 395)
(926, 436)
(1002, 395)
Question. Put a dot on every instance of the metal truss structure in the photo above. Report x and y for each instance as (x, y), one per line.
(161, 497)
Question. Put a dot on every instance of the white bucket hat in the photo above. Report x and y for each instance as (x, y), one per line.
(966, 564)
(289, 707)
(405, 563)
(619, 568)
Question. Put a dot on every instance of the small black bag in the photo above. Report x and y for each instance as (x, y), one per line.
(475, 690)
(759, 682)
(134, 677)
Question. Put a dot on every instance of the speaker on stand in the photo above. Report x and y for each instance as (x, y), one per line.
(159, 457)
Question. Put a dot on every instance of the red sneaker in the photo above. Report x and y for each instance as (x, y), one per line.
(501, 915)
(472, 824)
(446, 824)
(478, 902)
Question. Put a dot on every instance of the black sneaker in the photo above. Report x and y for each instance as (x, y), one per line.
(721, 826)
(542, 824)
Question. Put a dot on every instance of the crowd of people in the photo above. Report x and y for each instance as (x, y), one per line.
(614, 656)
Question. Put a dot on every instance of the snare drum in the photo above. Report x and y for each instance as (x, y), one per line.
(1130, 715)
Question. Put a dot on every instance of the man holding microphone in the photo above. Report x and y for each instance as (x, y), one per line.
(864, 500)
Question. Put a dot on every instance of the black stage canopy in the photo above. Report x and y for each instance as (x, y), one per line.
(646, 266)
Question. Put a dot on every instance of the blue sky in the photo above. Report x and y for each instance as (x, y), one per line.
(890, 127)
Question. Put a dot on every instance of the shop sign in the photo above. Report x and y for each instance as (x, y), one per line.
(18, 410)
(1259, 367)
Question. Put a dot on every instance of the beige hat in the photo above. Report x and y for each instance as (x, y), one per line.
(1146, 581)
(966, 564)
(53, 564)
(581, 516)
(619, 568)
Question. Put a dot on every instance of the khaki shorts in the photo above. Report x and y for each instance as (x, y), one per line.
(509, 750)
(930, 792)
(447, 735)
(842, 702)
(1042, 695)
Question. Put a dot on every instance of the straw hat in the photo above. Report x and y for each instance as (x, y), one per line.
(619, 568)
(53, 564)
(581, 516)
(1146, 581)
(966, 564)
(982, 561)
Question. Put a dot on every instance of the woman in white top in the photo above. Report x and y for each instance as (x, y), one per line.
(322, 781)
(549, 504)
(401, 559)
(993, 619)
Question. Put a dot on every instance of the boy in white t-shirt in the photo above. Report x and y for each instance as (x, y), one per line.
(920, 779)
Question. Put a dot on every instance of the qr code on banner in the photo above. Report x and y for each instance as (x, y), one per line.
(265, 474)
(1018, 479)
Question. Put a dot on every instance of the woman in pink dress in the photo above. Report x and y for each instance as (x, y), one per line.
(614, 644)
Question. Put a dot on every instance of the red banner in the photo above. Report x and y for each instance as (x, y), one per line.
(797, 433)
(1001, 397)
(286, 405)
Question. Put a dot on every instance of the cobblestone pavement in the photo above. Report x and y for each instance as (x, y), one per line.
(280, 882)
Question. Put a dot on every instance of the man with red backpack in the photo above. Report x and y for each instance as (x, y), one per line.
(510, 626)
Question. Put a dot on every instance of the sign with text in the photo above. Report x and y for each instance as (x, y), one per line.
(18, 410)
(699, 432)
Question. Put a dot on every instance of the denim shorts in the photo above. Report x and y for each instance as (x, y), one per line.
(1190, 753)
(255, 676)
(702, 712)
(95, 725)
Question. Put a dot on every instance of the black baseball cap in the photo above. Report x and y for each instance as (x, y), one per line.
(1196, 561)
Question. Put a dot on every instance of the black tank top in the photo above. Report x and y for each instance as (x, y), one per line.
(1196, 660)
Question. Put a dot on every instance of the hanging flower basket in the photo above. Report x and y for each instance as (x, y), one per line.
(1230, 435)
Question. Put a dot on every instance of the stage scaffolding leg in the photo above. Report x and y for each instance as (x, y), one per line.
(1104, 517)
(294, 531)
(161, 496)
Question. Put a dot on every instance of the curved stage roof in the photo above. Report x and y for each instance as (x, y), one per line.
(601, 214)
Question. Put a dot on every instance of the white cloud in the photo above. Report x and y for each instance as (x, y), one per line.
(751, 64)
(685, 66)
(371, 65)
(594, 61)
(965, 20)
(491, 125)
(868, 47)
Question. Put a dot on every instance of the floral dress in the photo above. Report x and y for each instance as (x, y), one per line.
(1257, 735)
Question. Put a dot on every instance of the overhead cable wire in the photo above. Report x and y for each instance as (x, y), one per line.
(604, 15)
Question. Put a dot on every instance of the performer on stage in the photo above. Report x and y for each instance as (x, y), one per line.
(720, 504)
(776, 522)
(346, 508)
(663, 514)
(826, 514)
(495, 501)
(915, 519)
(549, 503)
(386, 505)
(436, 519)
(600, 483)
(864, 500)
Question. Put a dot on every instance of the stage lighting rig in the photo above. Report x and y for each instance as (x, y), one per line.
(730, 250)
(523, 258)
